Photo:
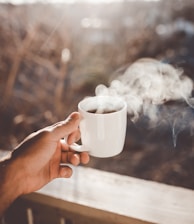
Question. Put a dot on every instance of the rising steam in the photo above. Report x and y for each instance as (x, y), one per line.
(146, 86)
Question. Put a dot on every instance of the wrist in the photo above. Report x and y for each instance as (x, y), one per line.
(10, 187)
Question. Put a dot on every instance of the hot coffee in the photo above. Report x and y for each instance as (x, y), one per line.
(95, 111)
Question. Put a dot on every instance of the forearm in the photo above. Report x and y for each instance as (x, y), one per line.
(9, 185)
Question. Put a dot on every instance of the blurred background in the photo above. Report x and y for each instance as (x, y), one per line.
(52, 55)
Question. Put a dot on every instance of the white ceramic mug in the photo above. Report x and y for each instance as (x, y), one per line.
(102, 134)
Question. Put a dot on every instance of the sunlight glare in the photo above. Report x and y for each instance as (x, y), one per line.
(70, 1)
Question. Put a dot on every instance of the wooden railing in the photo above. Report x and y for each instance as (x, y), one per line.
(97, 197)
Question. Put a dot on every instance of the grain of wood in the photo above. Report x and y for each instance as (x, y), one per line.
(118, 198)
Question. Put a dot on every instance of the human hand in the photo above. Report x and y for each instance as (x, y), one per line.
(43, 155)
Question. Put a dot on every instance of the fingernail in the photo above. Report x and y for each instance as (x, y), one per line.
(74, 115)
(63, 172)
(66, 172)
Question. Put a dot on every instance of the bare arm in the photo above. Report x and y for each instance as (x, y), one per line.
(9, 189)
(40, 158)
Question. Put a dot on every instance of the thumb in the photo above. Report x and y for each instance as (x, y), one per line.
(64, 128)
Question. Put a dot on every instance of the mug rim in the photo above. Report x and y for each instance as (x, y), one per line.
(80, 107)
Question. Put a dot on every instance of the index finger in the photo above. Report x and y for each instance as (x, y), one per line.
(66, 127)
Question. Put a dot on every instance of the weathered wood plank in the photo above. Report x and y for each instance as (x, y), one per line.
(118, 199)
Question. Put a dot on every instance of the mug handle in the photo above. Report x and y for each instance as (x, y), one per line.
(78, 148)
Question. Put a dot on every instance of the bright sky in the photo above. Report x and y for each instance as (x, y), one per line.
(66, 1)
